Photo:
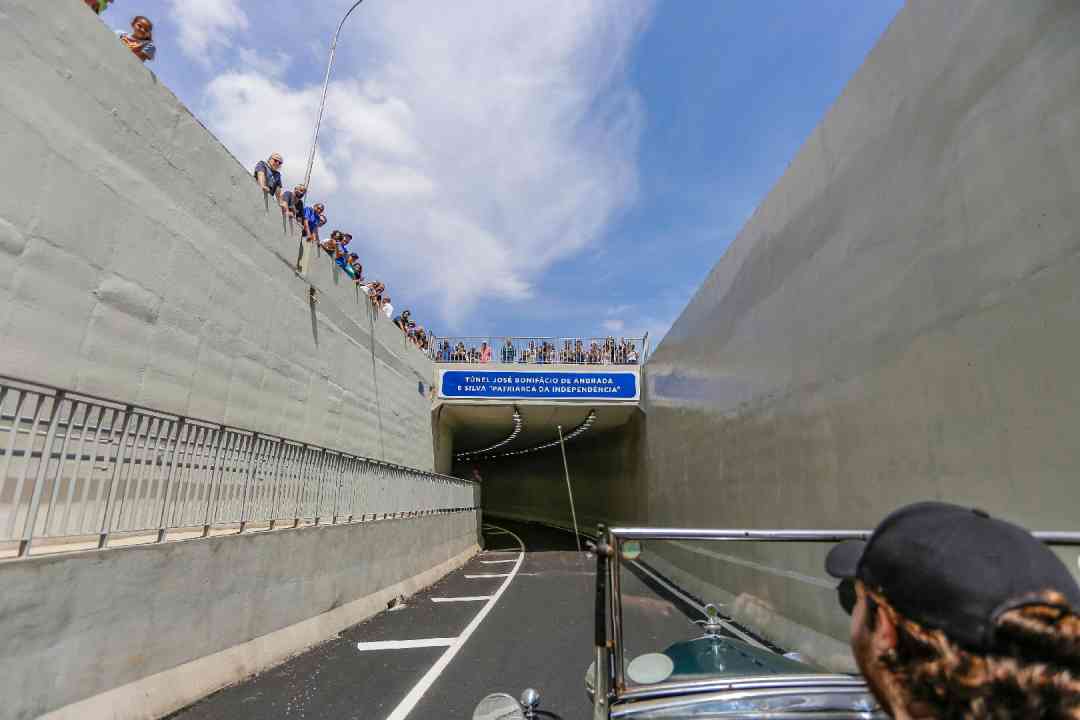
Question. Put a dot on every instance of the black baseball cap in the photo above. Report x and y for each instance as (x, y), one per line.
(953, 569)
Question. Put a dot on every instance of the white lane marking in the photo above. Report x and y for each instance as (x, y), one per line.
(409, 702)
(496, 532)
(405, 644)
(496, 562)
(492, 575)
(687, 599)
(474, 598)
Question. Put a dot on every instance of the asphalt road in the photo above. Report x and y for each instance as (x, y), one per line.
(537, 634)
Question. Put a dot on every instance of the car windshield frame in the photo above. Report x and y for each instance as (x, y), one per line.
(610, 688)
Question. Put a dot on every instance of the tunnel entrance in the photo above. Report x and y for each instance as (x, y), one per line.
(525, 478)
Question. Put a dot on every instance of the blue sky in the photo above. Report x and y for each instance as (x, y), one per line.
(547, 167)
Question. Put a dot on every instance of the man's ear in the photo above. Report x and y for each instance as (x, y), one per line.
(885, 637)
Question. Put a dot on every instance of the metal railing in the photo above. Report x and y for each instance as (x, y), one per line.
(80, 469)
(607, 350)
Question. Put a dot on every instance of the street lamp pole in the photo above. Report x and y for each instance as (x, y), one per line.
(325, 87)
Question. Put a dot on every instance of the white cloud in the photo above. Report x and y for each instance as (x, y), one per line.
(614, 326)
(255, 115)
(206, 23)
(474, 143)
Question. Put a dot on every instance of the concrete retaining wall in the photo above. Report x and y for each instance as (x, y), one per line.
(139, 261)
(137, 632)
(897, 321)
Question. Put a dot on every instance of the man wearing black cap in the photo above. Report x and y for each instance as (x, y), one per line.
(955, 614)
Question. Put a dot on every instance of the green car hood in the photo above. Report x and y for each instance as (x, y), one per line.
(723, 656)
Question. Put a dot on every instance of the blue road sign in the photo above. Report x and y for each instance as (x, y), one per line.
(526, 385)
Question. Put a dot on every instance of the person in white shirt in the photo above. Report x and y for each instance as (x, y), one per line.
(388, 308)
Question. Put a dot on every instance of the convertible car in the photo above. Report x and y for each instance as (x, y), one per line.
(651, 668)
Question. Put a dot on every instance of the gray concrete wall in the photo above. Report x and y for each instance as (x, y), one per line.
(897, 321)
(139, 261)
(152, 626)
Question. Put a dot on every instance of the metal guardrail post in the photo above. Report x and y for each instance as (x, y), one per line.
(181, 435)
(58, 475)
(339, 470)
(249, 476)
(17, 496)
(39, 480)
(277, 482)
(319, 468)
(215, 468)
(65, 522)
(302, 479)
(106, 518)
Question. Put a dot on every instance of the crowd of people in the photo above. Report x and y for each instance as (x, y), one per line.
(574, 351)
(310, 219)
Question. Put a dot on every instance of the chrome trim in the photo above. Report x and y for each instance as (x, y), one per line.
(1051, 537)
(744, 683)
(639, 708)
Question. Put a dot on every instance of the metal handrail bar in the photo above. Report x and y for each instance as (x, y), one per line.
(654, 533)
(147, 411)
(74, 464)
(763, 682)
(649, 707)
(539, 350)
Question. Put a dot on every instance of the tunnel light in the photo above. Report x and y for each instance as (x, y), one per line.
(505, 441)
(584, 426)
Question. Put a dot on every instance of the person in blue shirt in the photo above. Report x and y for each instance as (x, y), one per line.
(314, 218)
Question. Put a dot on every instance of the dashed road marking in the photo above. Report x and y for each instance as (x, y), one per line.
(405, 644)
(474, 598)
(409, 702)
(492, 575)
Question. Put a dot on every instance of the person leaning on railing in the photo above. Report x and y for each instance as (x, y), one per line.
(955, 614)
(268, 175)
(508, 352)
(140, 41)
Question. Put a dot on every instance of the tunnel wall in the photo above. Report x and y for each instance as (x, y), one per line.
(120, 633)
(897, 320)
(604, 475)
(140, 262)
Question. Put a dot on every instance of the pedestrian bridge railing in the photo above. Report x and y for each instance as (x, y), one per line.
(541, 350)
(79, 472)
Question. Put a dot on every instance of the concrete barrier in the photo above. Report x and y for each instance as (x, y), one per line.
(138, 632)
